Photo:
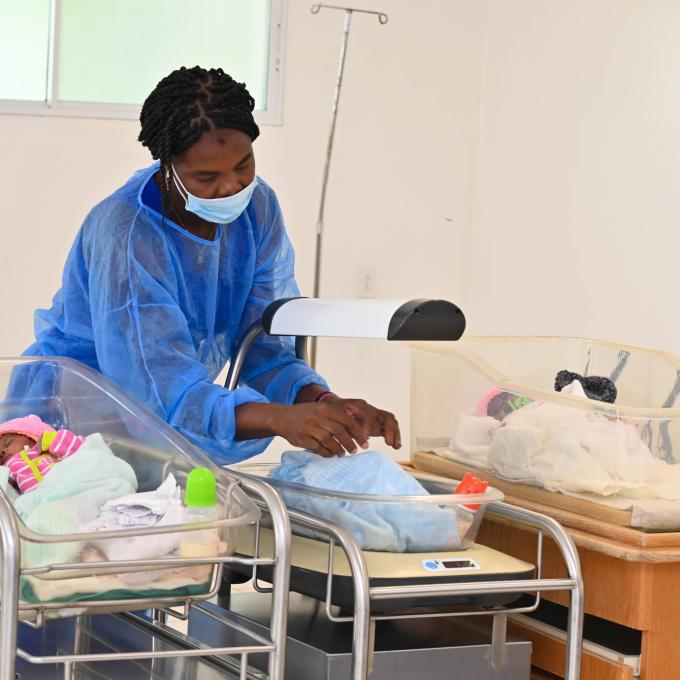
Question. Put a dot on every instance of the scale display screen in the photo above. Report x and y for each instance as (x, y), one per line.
(458, 564)
(449, 564)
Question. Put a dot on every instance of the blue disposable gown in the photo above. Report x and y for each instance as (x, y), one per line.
(160, 311)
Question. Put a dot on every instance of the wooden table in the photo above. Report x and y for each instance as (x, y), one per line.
(631, 578)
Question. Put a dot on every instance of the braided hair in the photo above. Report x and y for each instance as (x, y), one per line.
(184, 105)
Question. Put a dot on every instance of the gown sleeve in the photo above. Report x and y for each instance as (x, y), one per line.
(271, 366)
(143, 342)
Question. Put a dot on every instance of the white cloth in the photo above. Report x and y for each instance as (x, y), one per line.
(137, 510)
(36, 589)
(162, 507)
(472, 435)
(566, 449)
(574, 389)
(579, 451)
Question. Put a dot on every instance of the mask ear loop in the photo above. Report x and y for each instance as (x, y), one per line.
(178, 183)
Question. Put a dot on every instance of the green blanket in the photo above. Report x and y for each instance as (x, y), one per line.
(69, 496)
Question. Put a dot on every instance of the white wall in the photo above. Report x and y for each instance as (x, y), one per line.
(402, 169)
(401, 176)
(517, 156)
(577, 204)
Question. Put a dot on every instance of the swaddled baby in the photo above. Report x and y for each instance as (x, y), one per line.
(30, 448)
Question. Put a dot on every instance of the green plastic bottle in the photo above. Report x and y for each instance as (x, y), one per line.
(200, 505)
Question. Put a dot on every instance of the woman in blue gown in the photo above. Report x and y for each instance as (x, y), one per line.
(167, 273)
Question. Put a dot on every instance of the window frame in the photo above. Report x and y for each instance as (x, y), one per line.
(272, 115)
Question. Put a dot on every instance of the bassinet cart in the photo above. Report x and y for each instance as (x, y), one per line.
(361, 587)
(50, 578)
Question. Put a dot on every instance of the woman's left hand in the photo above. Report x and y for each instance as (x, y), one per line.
(377, 423)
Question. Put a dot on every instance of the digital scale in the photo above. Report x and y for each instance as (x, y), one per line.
(309, 572)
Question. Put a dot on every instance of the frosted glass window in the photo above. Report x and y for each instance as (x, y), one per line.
(103, 57)
(24, 46)
(117, 50)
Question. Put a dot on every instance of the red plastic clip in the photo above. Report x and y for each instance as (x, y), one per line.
(471, 485)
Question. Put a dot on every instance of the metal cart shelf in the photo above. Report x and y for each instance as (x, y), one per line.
(14, 613)
(366, 597)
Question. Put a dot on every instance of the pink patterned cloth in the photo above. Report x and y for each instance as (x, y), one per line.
(27, 468)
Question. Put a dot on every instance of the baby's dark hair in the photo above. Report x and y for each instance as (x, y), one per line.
(184, 105)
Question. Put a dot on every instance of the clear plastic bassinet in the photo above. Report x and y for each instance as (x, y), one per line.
(490, 403)
(77, 572)
(437, 520)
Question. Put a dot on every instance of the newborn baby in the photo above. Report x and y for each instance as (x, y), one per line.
(30, 448)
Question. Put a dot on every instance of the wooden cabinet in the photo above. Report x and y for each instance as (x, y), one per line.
(631, 578)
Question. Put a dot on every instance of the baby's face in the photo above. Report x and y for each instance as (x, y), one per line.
(11, 443)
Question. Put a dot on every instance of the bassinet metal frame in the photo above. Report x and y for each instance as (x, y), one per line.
(12, 609)
(365, 595)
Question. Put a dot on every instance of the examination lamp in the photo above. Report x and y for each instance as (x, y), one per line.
(384, 319)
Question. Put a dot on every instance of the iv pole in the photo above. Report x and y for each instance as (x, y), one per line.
(382, 18)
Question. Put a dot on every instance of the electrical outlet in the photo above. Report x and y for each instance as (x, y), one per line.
(366, 282)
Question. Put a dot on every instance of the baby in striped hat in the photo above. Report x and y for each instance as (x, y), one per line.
(30, 448)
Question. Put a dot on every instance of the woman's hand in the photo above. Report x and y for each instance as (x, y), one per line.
(376, 422)
(331, 428)
(327, 428)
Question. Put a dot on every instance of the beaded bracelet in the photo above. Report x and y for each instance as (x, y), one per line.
(323, 395)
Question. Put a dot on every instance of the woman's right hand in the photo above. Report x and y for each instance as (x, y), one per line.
(326, 428)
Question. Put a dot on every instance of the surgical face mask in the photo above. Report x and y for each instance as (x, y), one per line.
(219, 210)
